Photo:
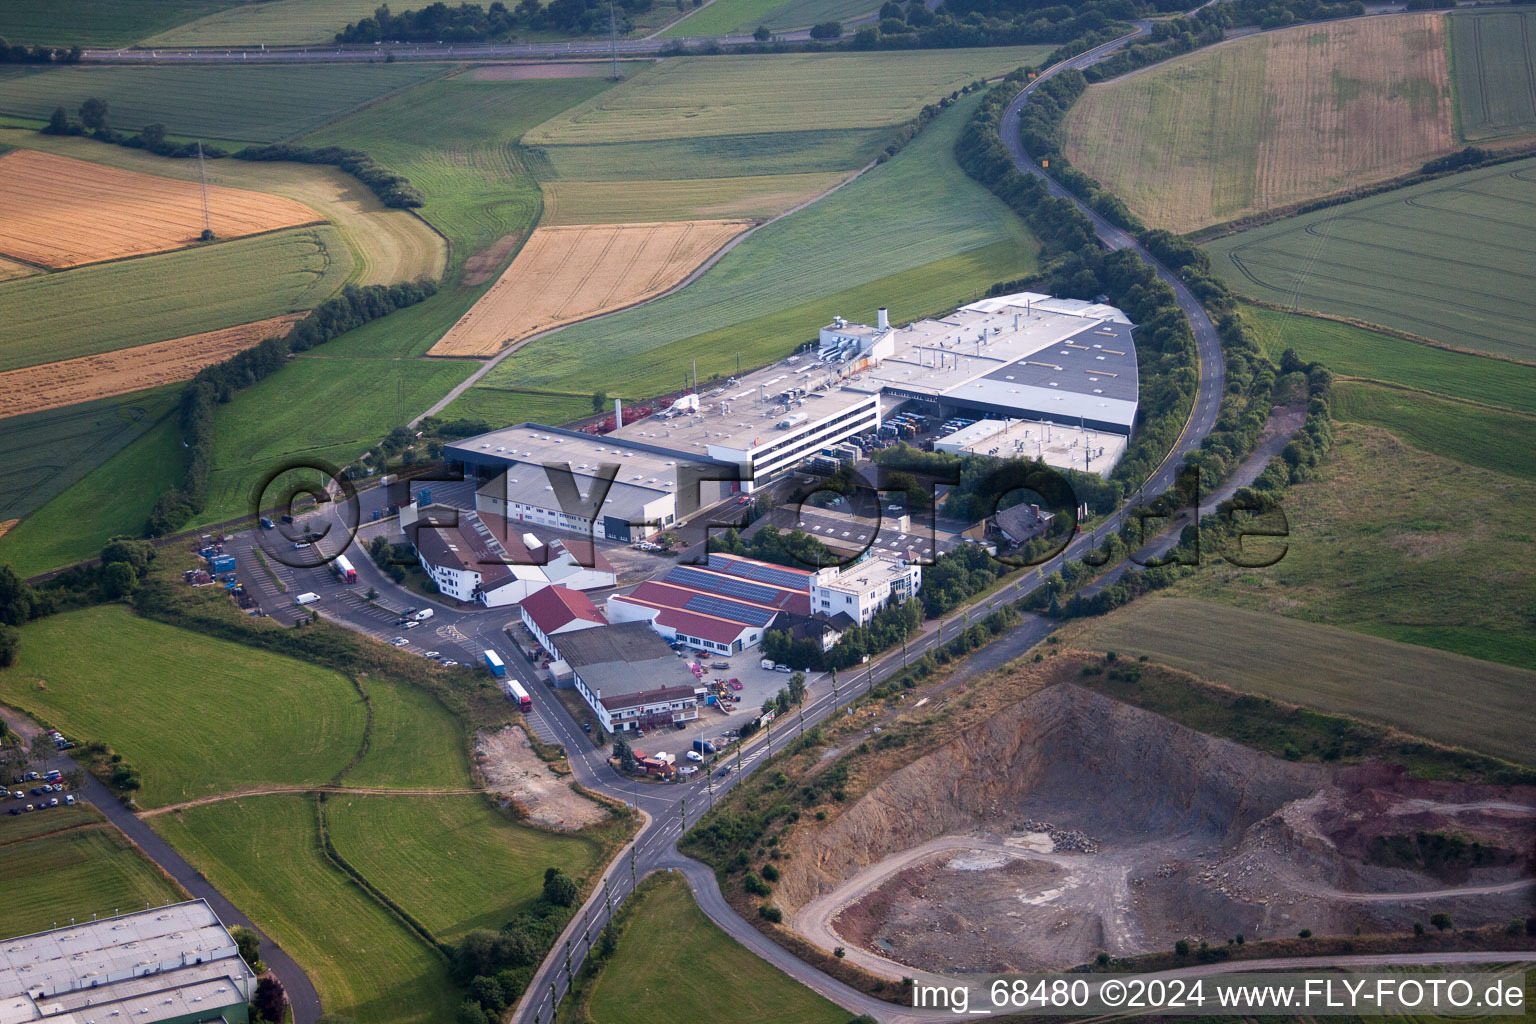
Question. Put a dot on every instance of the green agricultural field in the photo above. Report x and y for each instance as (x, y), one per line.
(193, 714)
(451, 861)
(638, 986)
(495, 404)
(756, 197)
(723, 17)
(1402, 544)
(1476, 435)
(916, 211)
(1493, 68)
(264, 854)
(20, 827)
(113, 306)
(800, 13)
(42, 453)
(74, 875)
(711, 156)
(319, 406)
(416, 743)
(112, 499)
(1371, 355)
(252, 104)
(707, 96)
(1443, 697)
(456, 139)
(96, 22)
(273, 22)
(1447, 260)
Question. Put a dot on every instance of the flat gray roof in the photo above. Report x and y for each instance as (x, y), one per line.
(157, 964)
(623, 658)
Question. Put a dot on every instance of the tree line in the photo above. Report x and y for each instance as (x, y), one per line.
(217, 384)
(120, 568)
(472, 23)
(36, 54)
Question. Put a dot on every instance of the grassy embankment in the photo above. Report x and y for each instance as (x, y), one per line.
(634, 986)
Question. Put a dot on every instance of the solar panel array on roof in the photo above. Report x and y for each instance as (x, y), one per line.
(708, 604)
(695, 579)
(762, 573)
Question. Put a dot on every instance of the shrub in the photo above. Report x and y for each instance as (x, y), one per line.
(769, 912)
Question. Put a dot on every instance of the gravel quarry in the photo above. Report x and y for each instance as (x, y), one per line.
(1072, 824)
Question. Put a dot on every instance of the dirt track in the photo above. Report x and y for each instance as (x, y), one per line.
(237, 794)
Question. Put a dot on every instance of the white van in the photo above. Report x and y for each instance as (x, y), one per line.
(306, 598)
(425, 613)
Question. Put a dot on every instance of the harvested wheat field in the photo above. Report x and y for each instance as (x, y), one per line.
(54, 385)
(1269, 120)
(64, 213)
(566, 274)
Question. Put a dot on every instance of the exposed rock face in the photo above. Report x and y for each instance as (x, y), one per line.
(1067, 756)
(1071, 823)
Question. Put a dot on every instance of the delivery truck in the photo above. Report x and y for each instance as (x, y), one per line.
(307, 598)
(344, 570)
(517, 693)
(495, 664)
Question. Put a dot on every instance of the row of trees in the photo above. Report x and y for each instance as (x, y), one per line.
(20, 54)
(94, 115)
(472, 23)
(217, 384)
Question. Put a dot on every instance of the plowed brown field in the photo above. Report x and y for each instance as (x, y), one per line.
(52, 385)
(566, 274)
(63, 213)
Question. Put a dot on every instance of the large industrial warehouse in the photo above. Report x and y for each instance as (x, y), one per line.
(1050, 378)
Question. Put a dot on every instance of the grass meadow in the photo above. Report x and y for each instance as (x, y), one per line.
(1267, 120)
(1493, 63)
(97, 22)
(1403, 544)
(452, 862)
(250, 104)
(113, 306)
(1444, 697)
(917, 211)
(416, 743)
(1475, 435)
(263, 853)
(319, 406)
(619, 202)
(16, 828)
(192, 713)
(456, 139)
(42, 453)
(1374, 356)
(112, 499)
(91, 870)
(741, 17)
(274, 22)
(1446, 260)
(767, 94)
(637, 986)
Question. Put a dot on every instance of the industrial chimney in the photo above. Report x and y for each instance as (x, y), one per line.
(618, 413)
(883, 320)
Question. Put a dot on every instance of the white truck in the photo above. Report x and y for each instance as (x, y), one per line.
(423, 615)
(308, 597)
(766, 664)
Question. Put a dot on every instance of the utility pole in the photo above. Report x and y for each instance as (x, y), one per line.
(682, 807)
(634, 879)
(202, 176)
(834, 689)
(613, 42)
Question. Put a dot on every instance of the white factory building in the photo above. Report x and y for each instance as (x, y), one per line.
(1028, 363)
(863, 588)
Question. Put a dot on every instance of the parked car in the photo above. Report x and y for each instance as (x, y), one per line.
(70, 800)
(54, 802)
(399, 641)
(410, 625)
(434, 655)
(450, 663)
(693, 755)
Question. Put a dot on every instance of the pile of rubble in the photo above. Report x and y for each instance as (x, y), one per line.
(1065, 840)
